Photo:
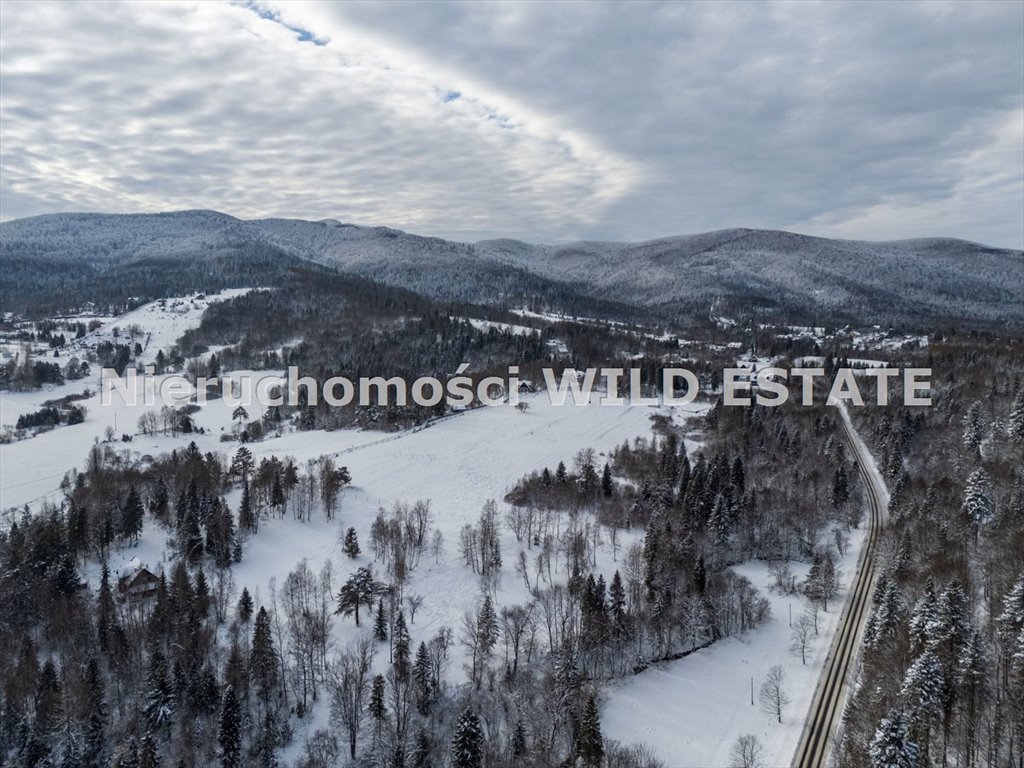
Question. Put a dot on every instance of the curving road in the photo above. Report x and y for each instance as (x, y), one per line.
(819, 734)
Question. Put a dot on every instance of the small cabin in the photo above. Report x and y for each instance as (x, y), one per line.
(138, 586)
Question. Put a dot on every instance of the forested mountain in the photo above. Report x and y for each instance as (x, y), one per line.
(738, 270)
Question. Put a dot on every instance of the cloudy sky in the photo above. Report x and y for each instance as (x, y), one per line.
(538, 121)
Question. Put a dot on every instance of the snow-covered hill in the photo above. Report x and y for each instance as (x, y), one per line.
(845, 279)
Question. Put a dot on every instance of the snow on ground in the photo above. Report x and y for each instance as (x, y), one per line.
(486, 325)
(157, 325)
(457, 464)
(31, 469)
(857, 363)
(692, 711)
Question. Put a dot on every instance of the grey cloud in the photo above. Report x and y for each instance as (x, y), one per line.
(573, 121)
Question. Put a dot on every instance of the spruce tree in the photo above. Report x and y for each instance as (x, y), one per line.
(148, 756)
(48, 709)
(589, 744)
(891, 746)
(132, 516)
(201, 598)
(158, 701)
(263, 657)
(519, 747)
(380, 624)
(246, 518)
(607, 486)
(94, 736)
(423, 679)
(351, 545)
(974, 427)
(229, 736)
(1015, 426)
(106, 620)
(468, 742)
(487, 627)
(378, 707)
(922, 689)
(617, 604)
(245, 606)
(421, 749)
(401, 649)
(977, 506)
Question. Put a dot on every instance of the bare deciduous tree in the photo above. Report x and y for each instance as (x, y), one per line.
(348, 681)
(800, 637)
(747, 752)
(773, 696)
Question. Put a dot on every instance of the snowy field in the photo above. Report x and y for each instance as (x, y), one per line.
(486, 325)
(692, 711)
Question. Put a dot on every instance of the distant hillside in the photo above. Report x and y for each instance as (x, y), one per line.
(740, 270)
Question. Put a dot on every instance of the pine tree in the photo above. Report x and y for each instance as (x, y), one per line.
(561, 475)
(242, 464)
(351, 545)
(229, 736)
(891, 746)
(468, 742)
(360, 588)
(245, 606)
(589, 743)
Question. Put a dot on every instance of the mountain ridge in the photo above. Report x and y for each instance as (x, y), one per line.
(767, 270)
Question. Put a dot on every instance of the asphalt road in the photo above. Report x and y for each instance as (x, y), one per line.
(818, 738)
